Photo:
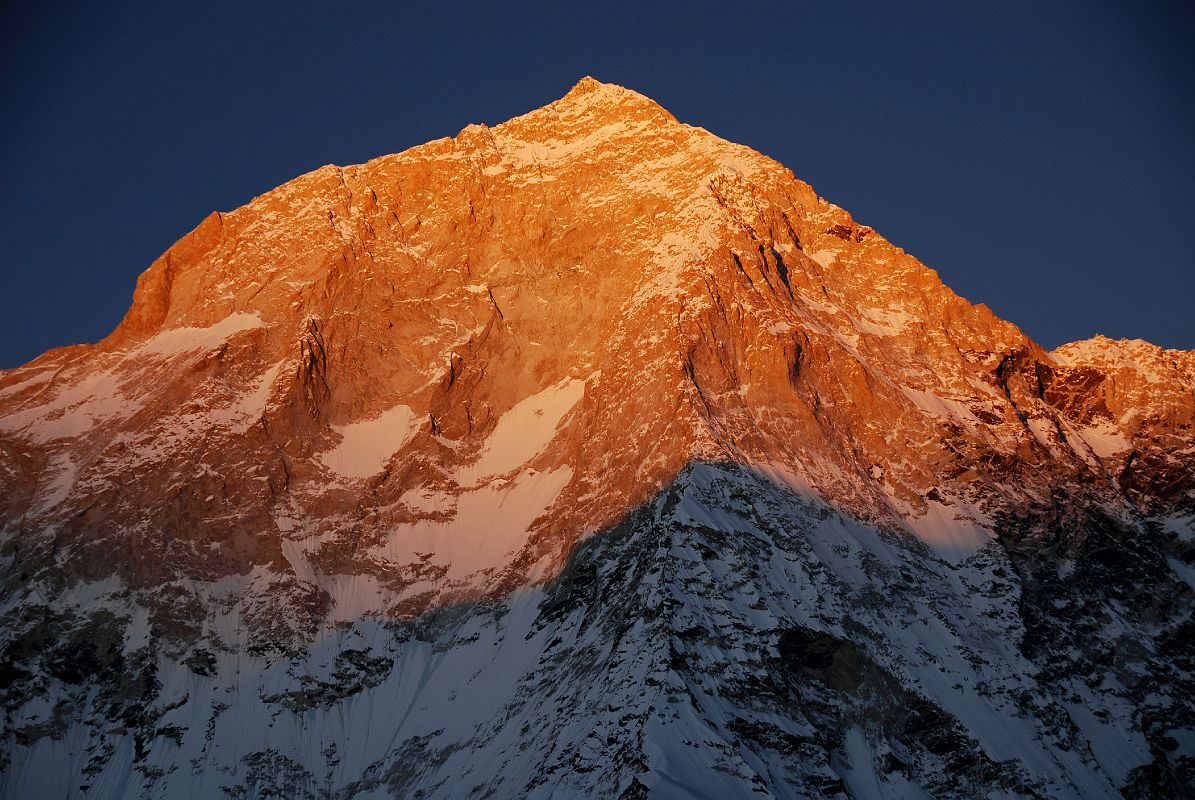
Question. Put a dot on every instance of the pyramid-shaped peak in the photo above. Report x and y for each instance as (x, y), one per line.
(590, 85)
(609, 100)
(590, 108)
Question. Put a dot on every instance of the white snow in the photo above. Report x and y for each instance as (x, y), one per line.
(883, 321)
(1043, 431)
(64, 473)
(489, 524)
(33, 380)
(938, 406)
(499, 690)
(365, 446)
(944, 529)
(825, 258)
(516, 151)
(524, 431)
(182, 340)
(249, 407)
(1105, 440)
(858, 771)
(73, 411)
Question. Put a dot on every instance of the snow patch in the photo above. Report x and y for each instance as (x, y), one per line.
(524, 431)
(75, 410)
(556, 150)
(365, 446)
(489, 526)
(1105, 440)
(184, 340)
(65, 472)
(825, 258)
(937, 406)
(951, 535)
(883, 322)
(251, 405)
(35, 379)
(1043, 431)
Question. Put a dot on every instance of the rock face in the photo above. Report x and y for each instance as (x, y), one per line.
(588, 454)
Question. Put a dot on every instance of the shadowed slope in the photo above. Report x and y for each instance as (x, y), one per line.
(727, 638)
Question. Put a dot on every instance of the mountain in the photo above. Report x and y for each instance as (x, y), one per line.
(588, 455)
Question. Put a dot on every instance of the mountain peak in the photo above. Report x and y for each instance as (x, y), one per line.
(589, 393)
(591, 99)
(589, 85)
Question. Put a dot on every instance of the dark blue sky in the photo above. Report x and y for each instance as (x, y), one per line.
(1039, 155)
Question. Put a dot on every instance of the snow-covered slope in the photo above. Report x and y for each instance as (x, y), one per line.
(589, 454)
(730, 638)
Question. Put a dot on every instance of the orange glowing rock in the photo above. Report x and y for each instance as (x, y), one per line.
(444, 367)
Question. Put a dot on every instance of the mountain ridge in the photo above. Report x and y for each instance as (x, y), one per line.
(201, 284)
(403, 395)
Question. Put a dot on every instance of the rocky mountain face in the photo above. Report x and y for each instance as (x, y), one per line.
(588, 455)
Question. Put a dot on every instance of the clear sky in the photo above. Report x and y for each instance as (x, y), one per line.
(1039, 155)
